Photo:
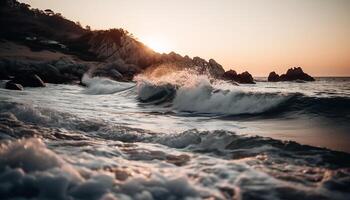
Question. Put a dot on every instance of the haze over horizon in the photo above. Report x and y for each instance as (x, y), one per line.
(257, 36)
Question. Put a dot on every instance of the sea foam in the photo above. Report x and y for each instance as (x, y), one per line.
(101, 85)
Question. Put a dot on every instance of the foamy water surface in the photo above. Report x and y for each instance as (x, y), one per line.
(176, 137)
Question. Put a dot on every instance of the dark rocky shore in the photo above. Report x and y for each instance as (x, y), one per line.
(38, 47)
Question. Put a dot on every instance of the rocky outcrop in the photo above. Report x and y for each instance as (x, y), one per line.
(273, 77)
(59, 71)
(50, 74)
(118, 70)
(118, 46)
(244, 78)
(293, 74)
(215, 69)
(230, 75)
(10, 85)
(69, 70)
(28, 80)
(33, 28)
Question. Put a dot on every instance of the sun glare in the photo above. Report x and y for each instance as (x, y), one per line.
(159, 45)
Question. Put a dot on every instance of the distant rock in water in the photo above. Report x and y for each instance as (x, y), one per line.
(273, 77)
(293, 74)
(10, 85)
(230, 74)
(215, 69)
(244, 78)
(29, 80)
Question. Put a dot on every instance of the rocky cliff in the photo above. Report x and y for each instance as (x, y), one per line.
(115, 51)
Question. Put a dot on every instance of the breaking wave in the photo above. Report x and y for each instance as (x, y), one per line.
(206, 99)
(199, 94)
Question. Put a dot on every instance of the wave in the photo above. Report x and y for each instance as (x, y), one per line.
(30, 169)
(150, 93)
(20, 120)
(117, 162)
(201, 95)
(206, 99)
(100, 85)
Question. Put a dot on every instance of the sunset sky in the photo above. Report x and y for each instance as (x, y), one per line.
(255, 35)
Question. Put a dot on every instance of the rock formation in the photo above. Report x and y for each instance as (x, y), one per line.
(114, 53)
(293, 74)
(245, 77)
(273, 77)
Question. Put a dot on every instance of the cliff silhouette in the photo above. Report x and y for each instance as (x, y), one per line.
(68, 43)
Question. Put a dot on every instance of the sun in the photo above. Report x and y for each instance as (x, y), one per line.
(158, 44)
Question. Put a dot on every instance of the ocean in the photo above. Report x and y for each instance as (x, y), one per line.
(180, 136)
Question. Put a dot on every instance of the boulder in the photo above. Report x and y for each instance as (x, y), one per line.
(215, 69)
(244, 78)
(28, 80)
(50, 74)
(10, 85)
(293, 74)
(273, 77)
(229, 75)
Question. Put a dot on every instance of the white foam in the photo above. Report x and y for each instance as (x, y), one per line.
(29, 169)
(100, 85)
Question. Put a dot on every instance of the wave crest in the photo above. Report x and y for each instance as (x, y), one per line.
(191, 92)
(187, 91)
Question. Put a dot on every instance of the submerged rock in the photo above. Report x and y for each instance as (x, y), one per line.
(29, 80)
(293, 74)
(10, 85)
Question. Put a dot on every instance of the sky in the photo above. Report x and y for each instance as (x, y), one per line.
(259, 36)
